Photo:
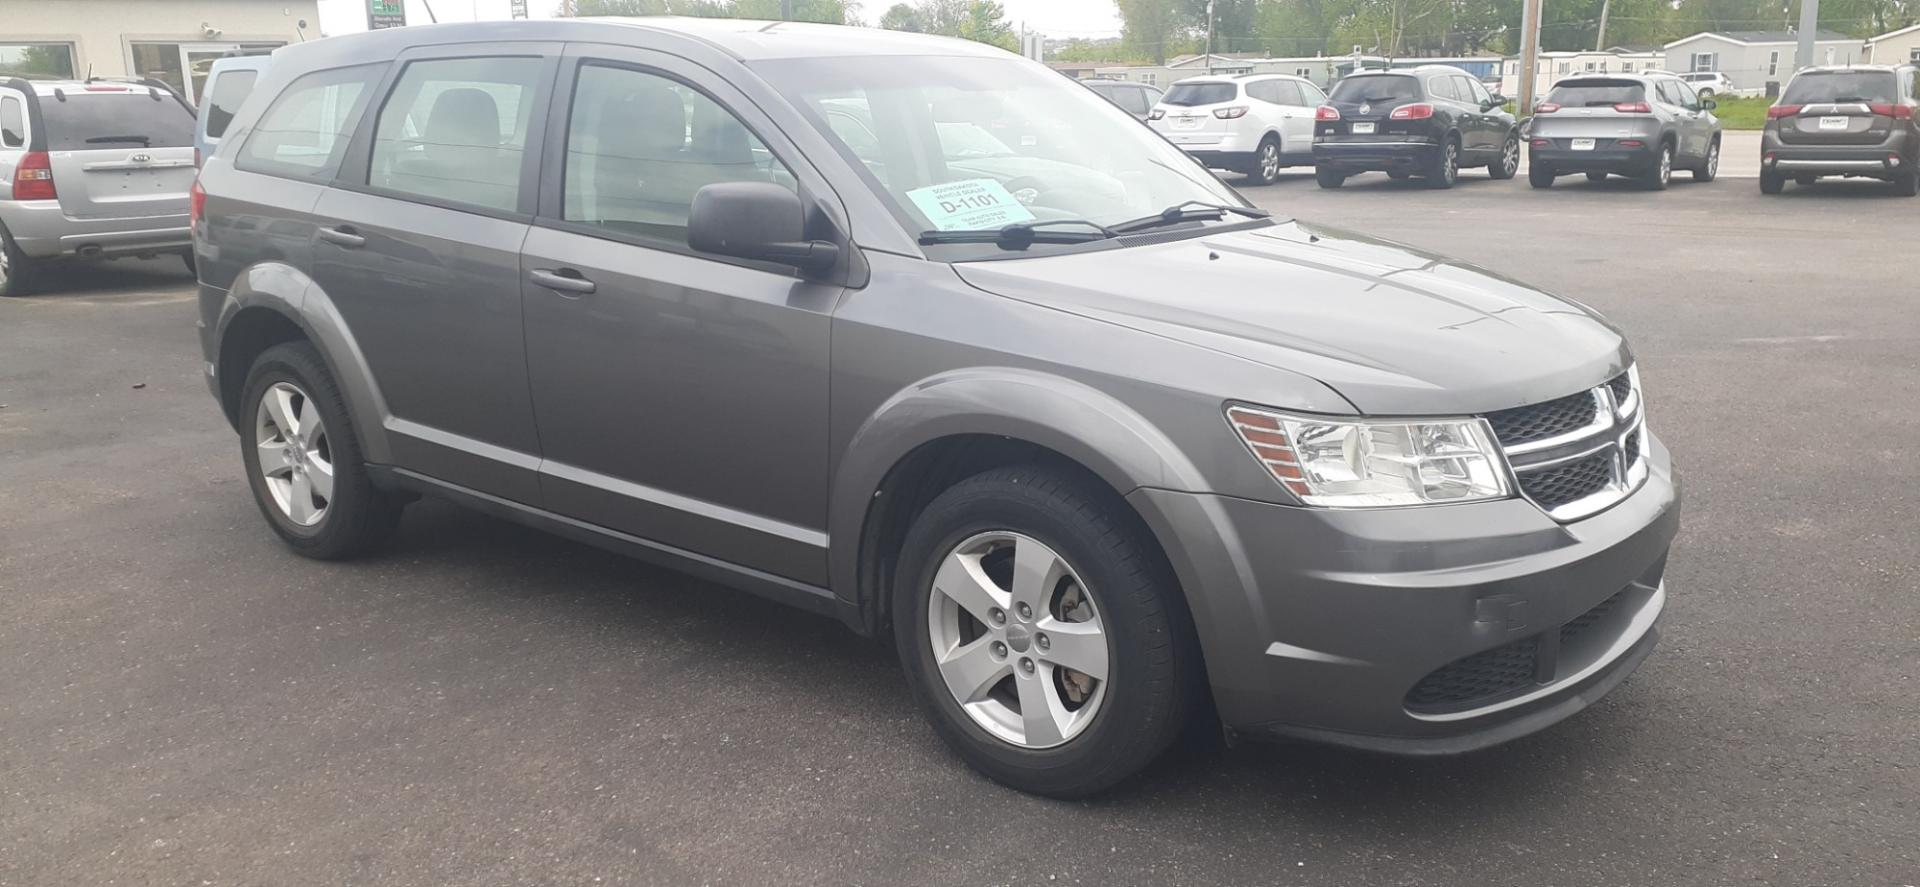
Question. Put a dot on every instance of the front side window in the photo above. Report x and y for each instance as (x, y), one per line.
(455, 130)
(228, 92)
(13, 123)
(1471, 90)
(46, 61)
(303, 134)
(970, 143)
(639, 145)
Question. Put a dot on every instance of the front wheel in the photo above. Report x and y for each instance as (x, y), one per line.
(1445, 168)
(1509, 162)
(1042, 631)
(1329, 178)
(1266, 162)
(1540, 175)
(1711, 167)
(303, 460)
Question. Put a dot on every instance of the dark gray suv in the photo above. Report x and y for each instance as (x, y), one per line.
(1107, 452)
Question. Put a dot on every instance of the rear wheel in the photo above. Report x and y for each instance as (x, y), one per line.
(18, 274)
(1772, 183)
(1329, 178)
(1509, 162)
(1266, 162)
(1661, 174)
(1042, 631)
(1540, 175)
(1444, 169)
(1906, 184)
(1711, 167)
(1596, 177)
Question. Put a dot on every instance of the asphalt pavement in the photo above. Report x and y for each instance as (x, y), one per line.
(184, 702)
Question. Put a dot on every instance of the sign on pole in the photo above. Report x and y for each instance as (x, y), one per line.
(386, 14)
(517, 8)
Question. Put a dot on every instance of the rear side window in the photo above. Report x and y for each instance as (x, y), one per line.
(1442, 87)
(1824, 87)
(456, 129)
(89, 121)
(1190, 94)
(1596, 93)
(229, 90)
(304, 133)
(1132, 98)
(13, 123)
(1377, 88)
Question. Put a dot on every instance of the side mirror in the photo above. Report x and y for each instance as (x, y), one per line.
(1708, 104)
(1498, 99)
(756, 220)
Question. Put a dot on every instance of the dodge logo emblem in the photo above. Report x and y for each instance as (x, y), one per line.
(142, 158)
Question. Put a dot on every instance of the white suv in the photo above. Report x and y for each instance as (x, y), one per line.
(1709, 83)
(1253, 123)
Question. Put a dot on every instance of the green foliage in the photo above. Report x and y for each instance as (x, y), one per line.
(1739, 113)
(983, 21)
(838, 12)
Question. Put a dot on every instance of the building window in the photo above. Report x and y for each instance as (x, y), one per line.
(43, 60)
(1773, 63)
(1913, 55)
(1565, 67)
(1705, 61)
(184, 66)
(1590, 66)
(1302, 72)
(1626, 67)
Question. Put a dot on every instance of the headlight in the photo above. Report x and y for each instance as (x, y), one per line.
(1360, 463)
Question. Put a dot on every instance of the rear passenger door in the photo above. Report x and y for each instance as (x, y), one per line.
(681, 396)
(418, 247)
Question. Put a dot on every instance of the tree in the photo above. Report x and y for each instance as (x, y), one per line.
(838, 12)
(902, 17)
(1151, 27)
(983, 21)
(986, 22)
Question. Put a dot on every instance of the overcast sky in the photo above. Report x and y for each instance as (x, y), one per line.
(1054, 18)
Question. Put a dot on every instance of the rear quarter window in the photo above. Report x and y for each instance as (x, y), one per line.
(1377, 88)
(1189, 94)
(1822, 87)
(137, 118)
(1597, 93)
(229, 90)
(304, 133)
(13, 123)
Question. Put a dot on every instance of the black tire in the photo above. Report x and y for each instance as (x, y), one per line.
(1155, 668)
(1264, 169)
(1657, 178)
(1596, 177)
(1540, 175)
(1772, 183)
(1444, 169)
(1399, 175)
(358, 517)
(1509, 161)
(1329, 178)
(19, 275)
(1709, 168)
(1906, 184)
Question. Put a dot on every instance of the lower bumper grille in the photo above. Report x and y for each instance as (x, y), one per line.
(1506, 670)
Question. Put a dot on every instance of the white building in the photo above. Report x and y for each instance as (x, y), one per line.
(1550, 67)
(1895, 47)
(1754, 59)
(170, 40)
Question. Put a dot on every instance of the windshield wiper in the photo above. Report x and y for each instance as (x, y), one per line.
(1021, 235)
(97, 140)
(1190, 211)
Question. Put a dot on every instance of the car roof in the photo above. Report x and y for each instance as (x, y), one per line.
(1841, 69)
(1636, 76)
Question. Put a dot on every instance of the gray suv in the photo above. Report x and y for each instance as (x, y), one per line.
(90, 169)
(1107, 452)
(1639, 125)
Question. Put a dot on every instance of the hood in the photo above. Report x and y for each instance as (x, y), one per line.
(1394, 330)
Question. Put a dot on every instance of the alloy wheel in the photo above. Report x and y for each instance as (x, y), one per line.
(1451, 170)
(6, 265)
(1510, 157)
(1666, 165)
(1017, 640)
(1269, 162)
(296, 459)
(1713, 160)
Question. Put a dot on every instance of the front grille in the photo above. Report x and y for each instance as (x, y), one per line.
(1632, 447)
(1621, 386)
(1506, 670)
(1543, 420)
(1557, 486)
(1477, 678)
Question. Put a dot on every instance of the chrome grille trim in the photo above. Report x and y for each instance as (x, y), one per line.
(1616, 421)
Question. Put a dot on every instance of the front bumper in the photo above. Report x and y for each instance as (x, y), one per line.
(1397, 153)
(1896, 153)
(1417, 630)
(43, 230)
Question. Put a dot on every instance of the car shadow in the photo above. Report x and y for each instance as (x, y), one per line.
(1851, 189)
(820, 665)
(92, 279)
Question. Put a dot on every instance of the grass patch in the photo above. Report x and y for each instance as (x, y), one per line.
(1742, 113)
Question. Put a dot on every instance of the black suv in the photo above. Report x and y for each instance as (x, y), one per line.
(1854, 121)
(1427, 121)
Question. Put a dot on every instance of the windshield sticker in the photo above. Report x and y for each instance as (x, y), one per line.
(969, 205)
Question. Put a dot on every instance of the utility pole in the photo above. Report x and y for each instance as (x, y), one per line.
(1600, 39)
(1809, 24)
(786, 10)
(1210, 37)
(1529, 52)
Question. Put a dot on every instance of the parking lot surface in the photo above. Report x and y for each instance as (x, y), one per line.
(183, 701)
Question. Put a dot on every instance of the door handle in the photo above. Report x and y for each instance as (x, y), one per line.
(565, 280)
(343, 236)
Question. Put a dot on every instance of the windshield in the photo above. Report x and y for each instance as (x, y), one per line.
(90, 121)
(1822, 87)
(1017, 142)
(1597, 93)
(1376, 88)
(1190, 94)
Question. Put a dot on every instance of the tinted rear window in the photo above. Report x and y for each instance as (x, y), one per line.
(1597, 93)
(1187, 94)
(1840, 86)
(90, 121)
(1377, 88)
(229, 90)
